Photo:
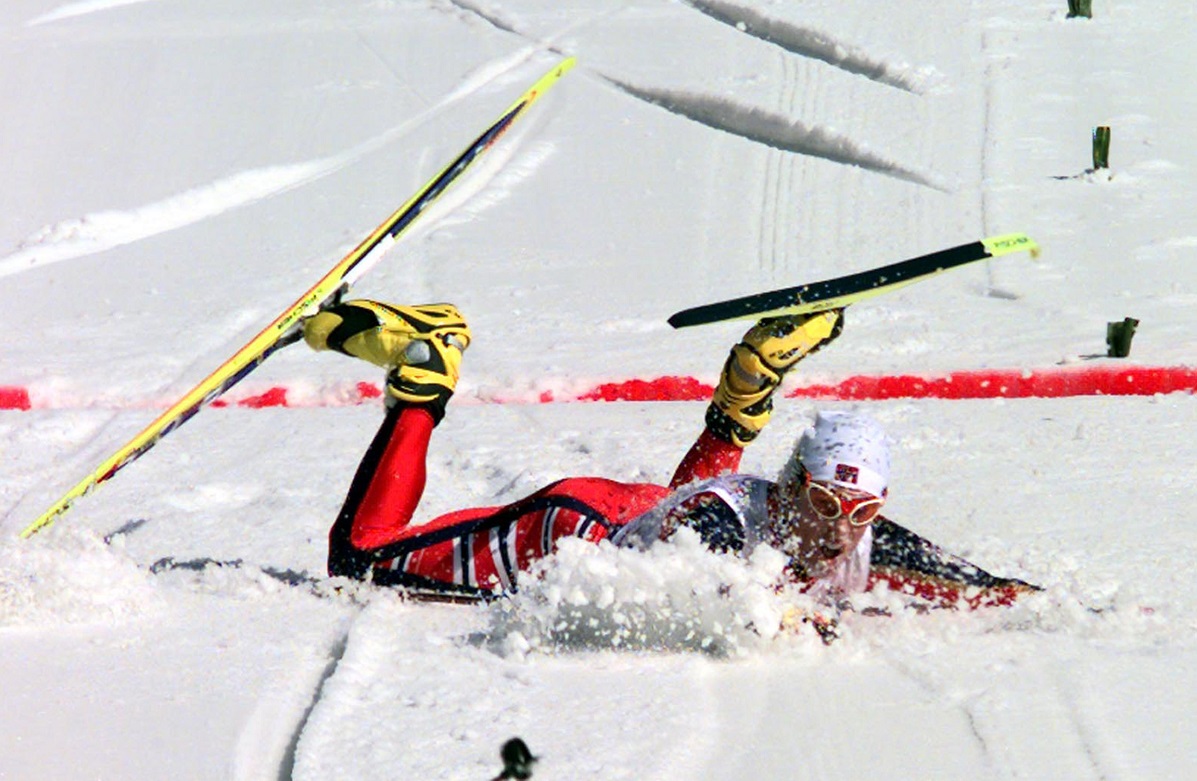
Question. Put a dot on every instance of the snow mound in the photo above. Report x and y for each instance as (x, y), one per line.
(71, 577)
(673, 597)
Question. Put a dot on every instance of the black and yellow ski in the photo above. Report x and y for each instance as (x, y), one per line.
(842, 291)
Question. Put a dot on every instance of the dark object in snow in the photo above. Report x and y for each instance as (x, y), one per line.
(517, 760)
(1118, 337)
(1080, 8)
(128, 528)
(1101, 147)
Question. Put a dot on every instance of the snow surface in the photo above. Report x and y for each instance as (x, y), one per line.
(176, 173)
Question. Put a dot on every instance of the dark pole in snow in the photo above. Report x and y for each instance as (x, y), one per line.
(1118, 337)
(1101, 147)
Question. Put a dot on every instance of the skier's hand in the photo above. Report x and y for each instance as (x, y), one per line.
(795, 618)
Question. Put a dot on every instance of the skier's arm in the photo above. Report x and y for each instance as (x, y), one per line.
(710, 456)
(743, 401)
(910, 564)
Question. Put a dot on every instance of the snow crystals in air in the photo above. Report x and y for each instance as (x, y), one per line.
(676, 596)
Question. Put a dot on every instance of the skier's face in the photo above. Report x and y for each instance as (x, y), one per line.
(823, 524)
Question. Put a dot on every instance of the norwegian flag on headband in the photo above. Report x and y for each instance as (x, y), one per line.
(847, 474)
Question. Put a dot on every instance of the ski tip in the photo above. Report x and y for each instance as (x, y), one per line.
(996, 246)
(687, 319)
(715, 313)
(539, 88)
(41, 523)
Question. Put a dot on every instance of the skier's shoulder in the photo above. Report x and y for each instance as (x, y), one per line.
(734, 491)
(724, 510)
(734, 481)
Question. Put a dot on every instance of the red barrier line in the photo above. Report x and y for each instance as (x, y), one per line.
(14, 398)
(978, 384)
(1013, 384)
(1056, 382)
(659, 389)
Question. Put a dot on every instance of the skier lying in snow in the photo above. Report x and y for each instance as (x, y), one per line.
(824, 512)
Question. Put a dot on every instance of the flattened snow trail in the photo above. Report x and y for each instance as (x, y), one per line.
(80, 9)
(102, 231)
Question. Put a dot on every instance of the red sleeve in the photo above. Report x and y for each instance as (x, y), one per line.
(709, 457)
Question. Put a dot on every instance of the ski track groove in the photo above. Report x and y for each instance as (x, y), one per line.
(774, 130)
(287, 766)
(515, 27)
(780, 166)
(771, 195)
(495, 20)
(936, 690)
(974, 729)
(1067, 693)
(808, 42)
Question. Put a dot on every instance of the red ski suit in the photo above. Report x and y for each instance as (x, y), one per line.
(482, 548)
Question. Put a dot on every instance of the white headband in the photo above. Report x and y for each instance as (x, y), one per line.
(846, 449)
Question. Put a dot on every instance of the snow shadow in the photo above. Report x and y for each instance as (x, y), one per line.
(776, 130)
(815, 44)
